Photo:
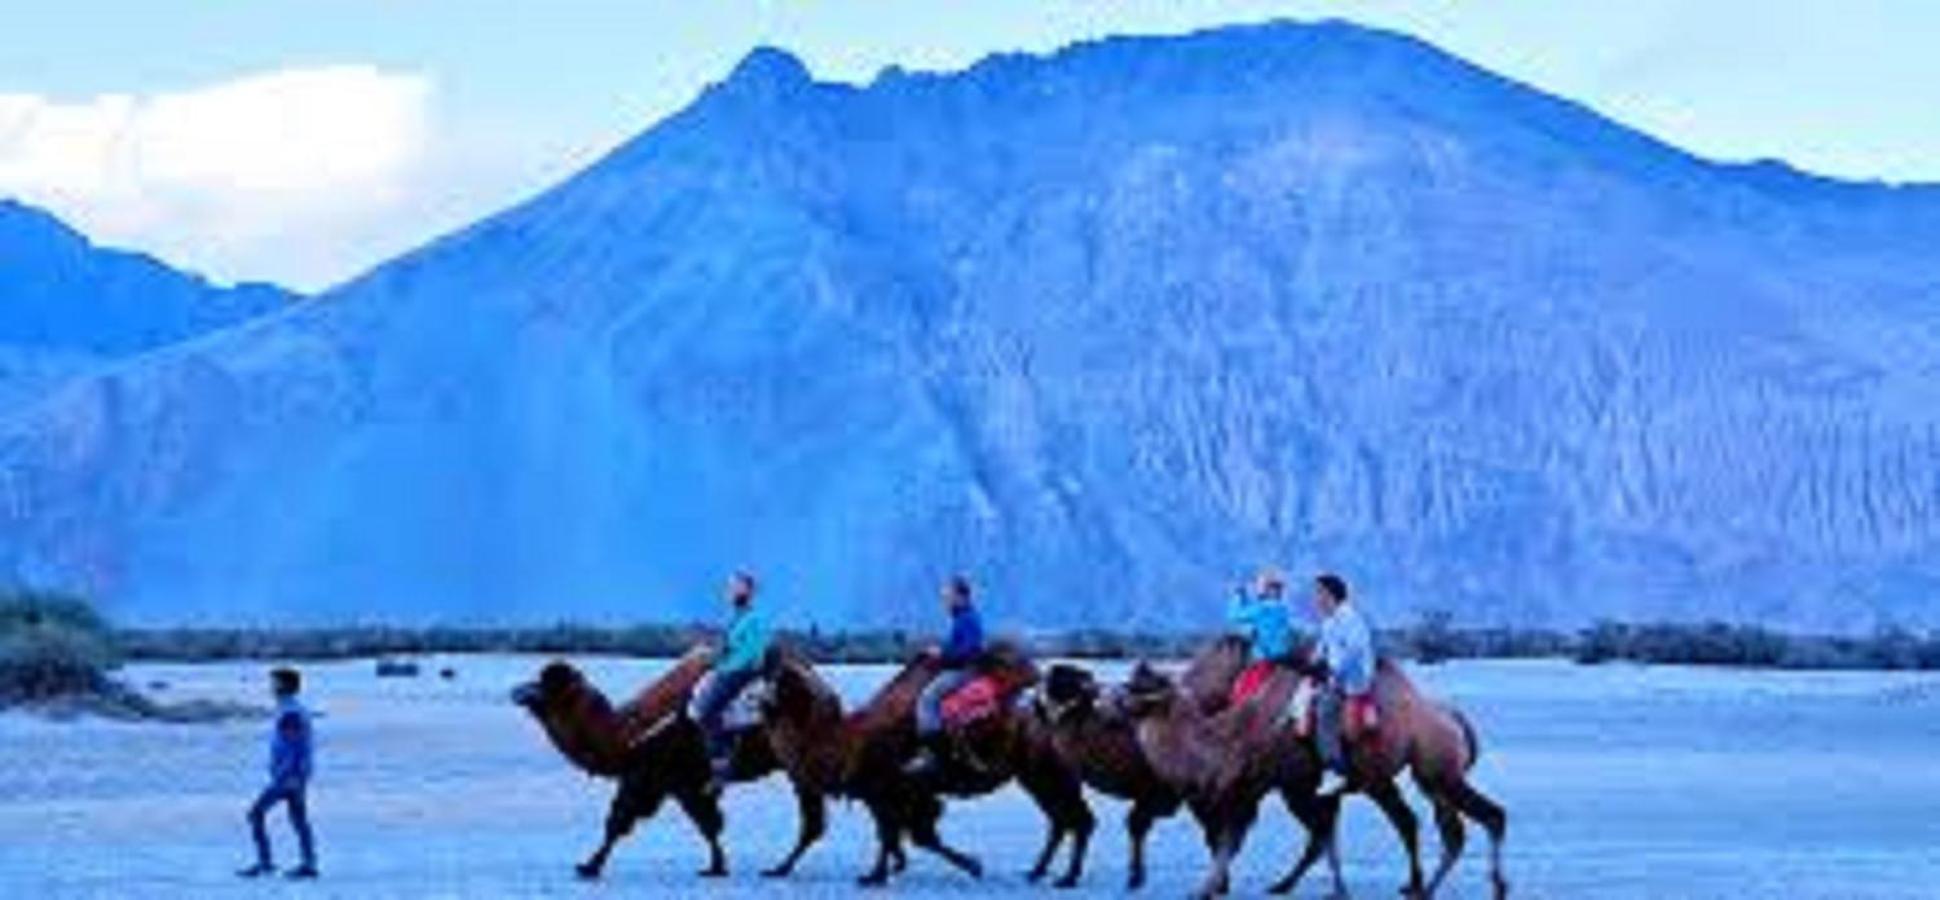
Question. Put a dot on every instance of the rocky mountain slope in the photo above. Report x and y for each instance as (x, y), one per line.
(1104, 328)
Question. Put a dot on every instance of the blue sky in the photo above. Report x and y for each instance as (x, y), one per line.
(303, 142)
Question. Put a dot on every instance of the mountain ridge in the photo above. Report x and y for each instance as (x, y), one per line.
(71, 305)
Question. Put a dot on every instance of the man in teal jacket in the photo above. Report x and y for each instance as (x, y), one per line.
(739, 664)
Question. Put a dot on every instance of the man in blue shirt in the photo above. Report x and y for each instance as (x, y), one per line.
(290, 760)
(958, 657)
(1345, 657)
(743, 648)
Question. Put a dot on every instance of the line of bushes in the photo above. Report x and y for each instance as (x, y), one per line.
(1433, 639)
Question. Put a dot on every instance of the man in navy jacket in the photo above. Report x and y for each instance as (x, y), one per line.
(958, 657)
(290, 759)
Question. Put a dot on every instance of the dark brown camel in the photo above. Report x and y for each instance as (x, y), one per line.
(1436, 743)
(656, 751)
(1096, 741)
(862, 755)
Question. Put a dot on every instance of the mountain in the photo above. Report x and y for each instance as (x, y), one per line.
(67, 305)
(1105, 328)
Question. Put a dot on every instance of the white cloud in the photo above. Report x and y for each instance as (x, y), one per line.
(292, 175)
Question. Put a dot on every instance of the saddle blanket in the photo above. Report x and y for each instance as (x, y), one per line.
(977, 700)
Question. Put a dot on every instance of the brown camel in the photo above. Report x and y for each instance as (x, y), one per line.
(1435, 742)
(656, 751)
(1224, 762)
(862, 755)
(1096, 741)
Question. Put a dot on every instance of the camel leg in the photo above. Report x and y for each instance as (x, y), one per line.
(1448, 820)
(705, 812)
(813, 810)
(1235, 820)
(1490, 815)
(1061, 797)
(1053, 838)
(1406, 825)
(923, 833)
(630, 804)
(1138, 824)
(888, 844)
(1224, 844)
(1081, 828)
(1319, 815)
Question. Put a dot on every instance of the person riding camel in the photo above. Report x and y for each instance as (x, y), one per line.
(1263, 619)
(1345, 660)
(744, 646)
(958, 657)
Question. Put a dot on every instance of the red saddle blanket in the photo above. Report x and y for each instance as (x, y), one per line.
(981, 698)
(1250, 681)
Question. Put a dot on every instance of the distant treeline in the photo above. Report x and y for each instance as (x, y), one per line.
(1433, 639)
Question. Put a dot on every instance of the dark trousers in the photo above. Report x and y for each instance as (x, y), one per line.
(719, 691)
(294, 797)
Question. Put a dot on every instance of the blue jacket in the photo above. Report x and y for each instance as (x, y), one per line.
(966, 638)
(747, 642)
(1266, 623)
(290, 750)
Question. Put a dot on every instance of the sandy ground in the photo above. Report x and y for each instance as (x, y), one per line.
(1620, 781)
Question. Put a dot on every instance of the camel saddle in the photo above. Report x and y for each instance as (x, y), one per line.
(979, 699)
(1250, 681)
(1360, 716)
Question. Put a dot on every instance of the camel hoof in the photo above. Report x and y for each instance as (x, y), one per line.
(1034, 876)
(712, 872)
(777, 872)
(873, 880)
(587, 872)
(1135, 882)
(1066, 883)
(974, 867)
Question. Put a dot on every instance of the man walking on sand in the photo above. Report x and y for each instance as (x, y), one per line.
(289, 778)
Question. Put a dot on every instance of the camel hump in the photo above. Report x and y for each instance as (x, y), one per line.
(1009, 662)
(1261, 711)
(667, 694)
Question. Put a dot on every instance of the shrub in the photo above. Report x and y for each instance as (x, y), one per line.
(51, 646)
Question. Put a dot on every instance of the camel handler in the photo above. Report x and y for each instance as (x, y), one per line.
(1345, 660)
(744, 646)
(958, 656)
(1262, 617)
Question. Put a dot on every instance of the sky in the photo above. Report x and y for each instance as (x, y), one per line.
(303, 142)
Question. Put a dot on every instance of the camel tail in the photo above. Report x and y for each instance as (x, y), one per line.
(1468, 736)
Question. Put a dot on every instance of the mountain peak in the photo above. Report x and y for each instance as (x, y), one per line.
(772, 67)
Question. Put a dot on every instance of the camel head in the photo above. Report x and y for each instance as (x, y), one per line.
(577, 718)
(1148, 692)
(1068, 693)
